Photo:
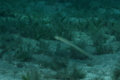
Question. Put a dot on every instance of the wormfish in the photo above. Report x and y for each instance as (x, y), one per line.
(72, 45)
